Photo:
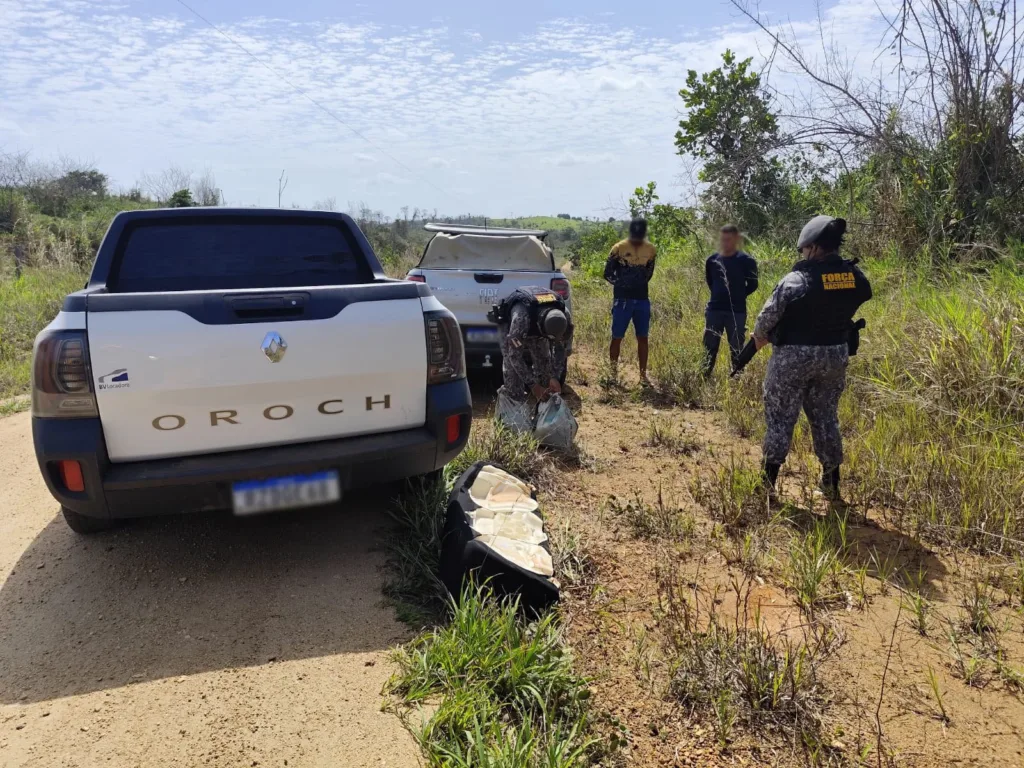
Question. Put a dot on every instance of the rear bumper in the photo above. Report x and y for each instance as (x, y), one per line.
(194, 483)
(485, 354)
(481, 353)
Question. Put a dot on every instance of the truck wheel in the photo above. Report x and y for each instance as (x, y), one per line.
(431, 478)
(427, 480)
(84, 524)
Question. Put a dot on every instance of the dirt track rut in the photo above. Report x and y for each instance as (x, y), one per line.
(193, 640)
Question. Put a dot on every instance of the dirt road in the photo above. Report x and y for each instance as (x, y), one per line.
(192, 640)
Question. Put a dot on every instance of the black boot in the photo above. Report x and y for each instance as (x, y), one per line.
(830, 485)
(770, 476)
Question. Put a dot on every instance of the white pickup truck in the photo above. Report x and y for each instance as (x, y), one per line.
(244, 359)
(472, 268)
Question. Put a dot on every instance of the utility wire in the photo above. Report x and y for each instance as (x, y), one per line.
(305, 94)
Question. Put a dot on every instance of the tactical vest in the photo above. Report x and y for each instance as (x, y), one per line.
(823, 316)
(536, 300)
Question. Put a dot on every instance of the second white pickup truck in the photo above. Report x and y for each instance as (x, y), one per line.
(470, 269)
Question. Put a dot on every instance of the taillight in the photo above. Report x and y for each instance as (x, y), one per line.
(61, 376)
(416, 278)
(71, 475)
(560, 286)
(446, 359)
(453, 429)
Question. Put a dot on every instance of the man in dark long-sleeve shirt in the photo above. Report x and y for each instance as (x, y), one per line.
(731, 276)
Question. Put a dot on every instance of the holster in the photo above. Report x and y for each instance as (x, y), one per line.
(853, 340)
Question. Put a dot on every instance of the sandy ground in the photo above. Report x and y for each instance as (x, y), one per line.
(194, 640)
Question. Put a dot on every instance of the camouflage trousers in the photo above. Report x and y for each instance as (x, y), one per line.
(812, 378)
(514, 387)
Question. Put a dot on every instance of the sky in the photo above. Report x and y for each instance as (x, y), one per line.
(501, 109)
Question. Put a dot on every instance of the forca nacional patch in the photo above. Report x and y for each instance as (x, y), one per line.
(838, 281)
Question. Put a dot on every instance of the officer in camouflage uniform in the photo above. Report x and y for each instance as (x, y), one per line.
(808, 319)
(533, 328)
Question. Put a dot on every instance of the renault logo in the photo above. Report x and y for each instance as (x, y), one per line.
(274, 346)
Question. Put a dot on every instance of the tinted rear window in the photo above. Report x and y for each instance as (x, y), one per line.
(228, 255)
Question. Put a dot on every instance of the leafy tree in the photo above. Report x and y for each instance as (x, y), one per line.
(77, 183)
(730, 116)
(642, 202)
(664, 222)
(591, 249)
(731, 127)
(181, 199)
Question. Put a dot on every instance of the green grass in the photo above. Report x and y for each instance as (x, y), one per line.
(516, 452)
(27, 305)
(662, 434)
(735, 671)
(815, 571)
(414, 551)
(550, 223)
(933, 415)
(574, 562)
(659, 520)
(499, 688)
(503, 692)
(734, 495)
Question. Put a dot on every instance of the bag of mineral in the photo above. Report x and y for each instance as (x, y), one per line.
(513, 414)
(494, 533)
(556, 426)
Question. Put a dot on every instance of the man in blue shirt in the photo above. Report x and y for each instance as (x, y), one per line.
(731, 275)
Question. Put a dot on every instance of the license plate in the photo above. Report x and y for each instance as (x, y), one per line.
(254, 496)
(482, 334)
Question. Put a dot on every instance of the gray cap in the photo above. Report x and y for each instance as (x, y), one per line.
(555, 323)
(812, 230)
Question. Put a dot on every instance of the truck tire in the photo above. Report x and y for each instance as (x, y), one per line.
(84, 524)
(431, 478)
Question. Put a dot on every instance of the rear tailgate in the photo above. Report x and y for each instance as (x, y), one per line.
(273, 347)
(469, 294)
(469, 273)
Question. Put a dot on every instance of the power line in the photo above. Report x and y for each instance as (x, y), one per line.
(302, 92)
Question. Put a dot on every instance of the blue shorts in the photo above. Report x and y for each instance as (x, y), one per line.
(636, 310)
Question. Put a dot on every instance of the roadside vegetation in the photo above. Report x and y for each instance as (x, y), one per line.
(501, 691)
(484, 684)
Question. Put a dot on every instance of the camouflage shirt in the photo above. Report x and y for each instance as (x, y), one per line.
(790, 288)
(528, 358)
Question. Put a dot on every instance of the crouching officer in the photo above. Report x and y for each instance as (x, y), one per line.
(809, 319)
(533, 328)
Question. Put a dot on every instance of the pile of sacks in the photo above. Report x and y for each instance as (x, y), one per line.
(552, 424)
(494, 533)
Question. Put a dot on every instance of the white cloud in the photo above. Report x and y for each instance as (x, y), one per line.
(569, 159)
(614, 84)
(595, 104)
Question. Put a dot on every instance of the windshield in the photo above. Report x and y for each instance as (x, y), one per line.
(487, 252)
